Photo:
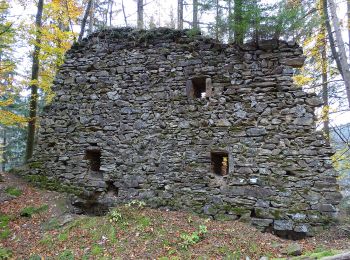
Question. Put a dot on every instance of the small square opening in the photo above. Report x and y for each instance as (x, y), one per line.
(94, 156)
(199, 87)
(220, 163)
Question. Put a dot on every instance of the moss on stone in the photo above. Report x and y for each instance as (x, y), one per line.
(35, 165)
(52, 184)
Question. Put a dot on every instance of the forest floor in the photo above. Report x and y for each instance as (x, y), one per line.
(36, 224)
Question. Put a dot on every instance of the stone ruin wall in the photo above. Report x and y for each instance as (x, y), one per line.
(125, 125)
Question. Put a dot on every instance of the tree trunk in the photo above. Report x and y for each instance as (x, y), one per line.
(139, 14)
(33, 100)
(92, 17)
(217, 20)
(330, 35)
(238, 34)
(125, 19)
(195, 15)
(348, 16)
(111, 13)
(325, 93)
(230, 33)
(83, 22)
(180, 14)
(341, 48)
(4, 143)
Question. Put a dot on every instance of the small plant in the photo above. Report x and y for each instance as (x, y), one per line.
(189, 220)
(30, 211)
(136, 203)
(66, 255)
(62, 237)
(96, 250)
(5, 253)
(35, 257)
(191, 239)
(13, 191)
(4, 230)
(115, 216)
(5, 233)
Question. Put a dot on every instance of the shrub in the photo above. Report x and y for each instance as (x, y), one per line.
(115, 216)
(195, 237)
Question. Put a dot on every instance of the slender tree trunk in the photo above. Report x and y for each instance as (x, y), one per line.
(238, 34)
(111, 13)
(83, 22)
(195, 15)
(324, 67)
(4, 143)
(325, 93)
(125, 19)
(92, 17)
(348, 16)
(330, 35)
(217, 18)
(180, 14)
(230, 32)
(341, 49)
(33, 100)
(139, 14)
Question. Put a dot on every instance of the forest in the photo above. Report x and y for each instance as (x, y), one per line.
(35, 36)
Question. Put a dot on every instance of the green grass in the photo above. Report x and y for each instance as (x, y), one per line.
(4, 230)
(63, 237)
(30, 211)
(5, 253)
(96, 250)
(5, 233)
(13, 191)
(52, 224)
(66, 255)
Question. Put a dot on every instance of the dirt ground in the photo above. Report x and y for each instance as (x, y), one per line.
(37, 224)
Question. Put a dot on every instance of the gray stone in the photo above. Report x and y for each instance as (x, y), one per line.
(283, 225)
(294, 249)
(126, 124)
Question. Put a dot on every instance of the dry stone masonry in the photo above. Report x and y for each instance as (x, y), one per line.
(181, 121)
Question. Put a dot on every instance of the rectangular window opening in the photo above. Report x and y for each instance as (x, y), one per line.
(94, 156)
(199, 87)
(220, 163)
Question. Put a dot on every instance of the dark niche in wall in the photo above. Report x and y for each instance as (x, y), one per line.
(199, 87)
(94, 157)
(220, 163)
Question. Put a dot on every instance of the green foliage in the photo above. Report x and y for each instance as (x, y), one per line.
(13, 191)
(96, 250)
(193, 238)
(30, 211)
(191, 33)
(5, 254)
(4, 230)
(319, 253)
(136, 203)
(35, 257)
(66, 255)
(115, 216)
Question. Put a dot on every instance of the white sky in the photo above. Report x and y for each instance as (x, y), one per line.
(160, 10)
